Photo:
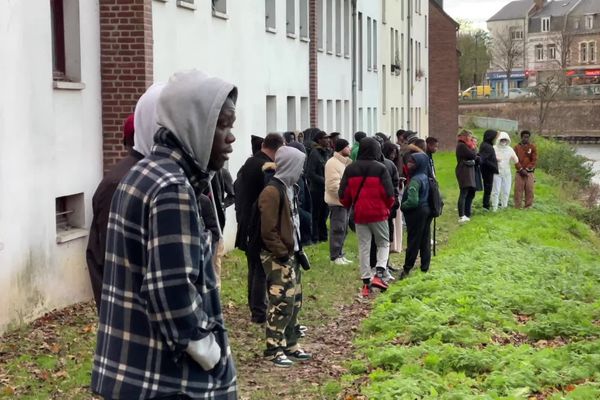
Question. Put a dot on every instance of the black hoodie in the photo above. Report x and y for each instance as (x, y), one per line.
(487, 154)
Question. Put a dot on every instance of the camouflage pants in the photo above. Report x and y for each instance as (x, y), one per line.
(284, 290)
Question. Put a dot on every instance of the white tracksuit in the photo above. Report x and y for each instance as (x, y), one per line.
(503, 181)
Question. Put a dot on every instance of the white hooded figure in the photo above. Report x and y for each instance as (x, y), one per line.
(503, 180)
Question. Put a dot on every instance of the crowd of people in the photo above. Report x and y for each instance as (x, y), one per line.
(156, 242)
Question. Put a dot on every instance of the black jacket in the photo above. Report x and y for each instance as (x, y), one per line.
(315, 168)
(487, 154)
(222, 190)
(249, 184)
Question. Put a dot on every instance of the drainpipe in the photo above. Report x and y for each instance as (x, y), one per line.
(409, 87)
(353, 60)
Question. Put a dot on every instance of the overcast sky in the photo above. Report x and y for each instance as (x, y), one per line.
(477, 11)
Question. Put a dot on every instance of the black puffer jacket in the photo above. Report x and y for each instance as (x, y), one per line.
(487, 154)
(315, 168)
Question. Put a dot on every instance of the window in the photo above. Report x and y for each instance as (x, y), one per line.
(360, 51)
(402, 10)
(539, 52)
(347, 25)
(383, 13)
(291, 113)
(583, 55)
(374, 45)
(338, 27)
(304, 114)
(392, 58)
(329, 116)
(219, 8)
(361, 120)
(271, 114)
(338, 115)
(304, 18)
(369, 120)
(66, 56)
(347, 116)
(546, 24)
(551, 51)
(320, 25)
(290, 17)
(70, 217)
(270, 16)
(384, 89)
(589, 22)
(592, 51)
(321, 113)
(426, 31)
(186, 4)
(369, 44)
(516, 34)
(375, 120)
(329, 26)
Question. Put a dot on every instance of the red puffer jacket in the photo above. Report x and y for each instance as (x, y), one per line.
(377, 194)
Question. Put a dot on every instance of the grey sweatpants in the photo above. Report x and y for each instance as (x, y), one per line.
(338, 228)
(381, 232)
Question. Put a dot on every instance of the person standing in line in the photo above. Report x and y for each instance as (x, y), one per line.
(466, 156)
(390, 155)
(249, 183)
(525, 179)
(280, 233)
(503, 179)
(366, 187)
(334, 169)
(333, 138)
(161, 332)
(315, 172)
(415, 206)
(432, 145)
(138, 137)
(304, 203)
(289, 137)
(489, 164)
(358, 136)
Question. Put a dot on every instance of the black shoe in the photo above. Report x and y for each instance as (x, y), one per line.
(404, 274)
(280, 360)
(258, 320)
(299, 355)
(392, 268)
(424, 269)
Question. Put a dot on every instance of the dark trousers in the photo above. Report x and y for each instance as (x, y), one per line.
(320, 212)
(465, 201)
(96, 276)
(418, 231)
(305, 226)
(338, 224)
(257, 288)
(488, 183)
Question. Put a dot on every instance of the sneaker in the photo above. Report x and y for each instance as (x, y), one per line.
(340, 261)
(282, 361)
(366, 291)
(299, 355)
(302, 328)
(463, 219)
(388, 277)
(392, 268)
(346, 260)
(379, 283)
(301, 331)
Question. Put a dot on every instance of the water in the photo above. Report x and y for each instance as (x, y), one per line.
(591, 151)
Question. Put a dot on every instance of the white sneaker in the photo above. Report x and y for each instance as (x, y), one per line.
(463, 219)
(388, 277)
(346, 260)
(339, 261)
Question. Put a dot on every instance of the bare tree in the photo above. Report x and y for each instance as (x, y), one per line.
(507, 50)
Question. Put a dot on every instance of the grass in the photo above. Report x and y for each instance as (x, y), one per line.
(510, 309)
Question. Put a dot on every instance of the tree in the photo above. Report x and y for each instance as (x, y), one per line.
(474, 60)
(507, 51)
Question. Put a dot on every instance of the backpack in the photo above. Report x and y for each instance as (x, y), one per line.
(254, 242)
(436, 203)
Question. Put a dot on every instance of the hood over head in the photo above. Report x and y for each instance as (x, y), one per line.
(421, 162)
(145, 121)
(369, 149)
(290, 163)
(189, 106)
(503, 135)
(490, 136)
(298, 146)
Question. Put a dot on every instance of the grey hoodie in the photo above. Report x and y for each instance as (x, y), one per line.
(189, 106)
(145, 119)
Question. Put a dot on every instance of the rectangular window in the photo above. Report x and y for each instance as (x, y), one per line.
(589, 22)
(270, 16)
(375, 129)
(402, 10)
(400, 54)
(219, 7)
(330, 116)
(290, 17)
(583, 57)
(271, 115)
(347, 116)
(65, 39)
(347, 25)
(392, 58)
(546, 24)
(304, 18)
(369, 125)
(361, 120)
(374, 45)
(304, 114)
(426, 31)
(516, 34)
(383, 12)
(369, 43)
(338, 27)
(360, 51)
(383, 89)
(320, 25)
(392, 121)
(186, 4)
(291, 113)
(70, 217)
(321, 113)
(338, 116)
(551, 52)
(539, 52)
(329, 26)
(592, 51)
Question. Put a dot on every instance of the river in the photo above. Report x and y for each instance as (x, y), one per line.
(591, 151)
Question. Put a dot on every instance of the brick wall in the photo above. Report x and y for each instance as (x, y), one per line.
(443, 77)
(313, 75)
(126, 67)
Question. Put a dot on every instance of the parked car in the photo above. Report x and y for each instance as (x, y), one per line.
(477, 91)
(516, 93)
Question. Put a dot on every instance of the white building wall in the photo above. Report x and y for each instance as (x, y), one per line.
(238, 49)
(419, 35)
(53, 148)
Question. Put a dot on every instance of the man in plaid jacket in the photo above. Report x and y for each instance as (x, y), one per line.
(161, 332)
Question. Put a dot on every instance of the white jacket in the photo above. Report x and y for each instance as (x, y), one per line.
(505, 154)
(334, 169)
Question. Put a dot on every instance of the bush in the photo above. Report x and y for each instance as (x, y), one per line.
(561, 161)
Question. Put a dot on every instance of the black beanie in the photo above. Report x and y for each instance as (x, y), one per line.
(341, 144)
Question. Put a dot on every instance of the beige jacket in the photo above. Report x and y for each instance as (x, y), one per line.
(334, 169)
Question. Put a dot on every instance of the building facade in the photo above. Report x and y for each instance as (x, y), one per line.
(297, 63)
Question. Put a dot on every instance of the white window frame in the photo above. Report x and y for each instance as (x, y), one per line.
(583, 51)
(270, 16)
(545, 24)
(551, 51)
(290, 18)
(592, 55)
(219, 9)
(539, 52)
(589, 22)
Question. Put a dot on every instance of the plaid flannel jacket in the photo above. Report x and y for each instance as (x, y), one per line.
(159, 290)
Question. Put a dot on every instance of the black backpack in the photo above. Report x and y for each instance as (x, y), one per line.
(254, 238)
(436, 203)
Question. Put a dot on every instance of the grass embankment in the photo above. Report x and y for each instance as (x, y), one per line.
(510, 309)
